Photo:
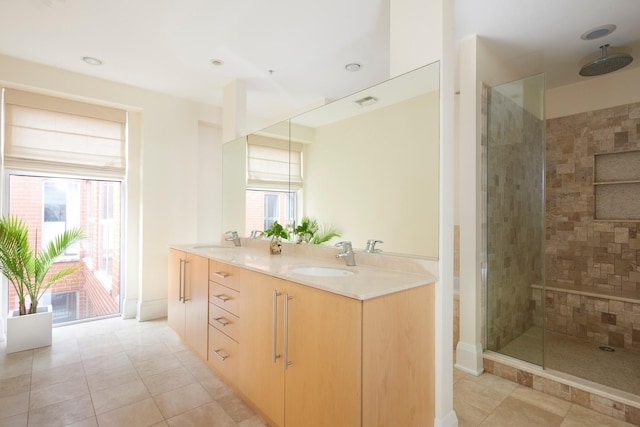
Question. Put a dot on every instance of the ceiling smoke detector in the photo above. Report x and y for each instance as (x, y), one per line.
(352, 67)
(91, 61)
(366, 101)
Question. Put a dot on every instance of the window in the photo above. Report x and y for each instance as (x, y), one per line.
(65, 164)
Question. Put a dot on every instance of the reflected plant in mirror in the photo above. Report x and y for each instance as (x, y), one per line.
(309, 231)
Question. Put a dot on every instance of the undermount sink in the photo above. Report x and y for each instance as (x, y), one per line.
(321, 271)
(211, 247)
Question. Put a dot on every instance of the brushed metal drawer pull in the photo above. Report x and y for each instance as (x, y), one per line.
(220, 356)
(222, 297)
(222, 321)
(220, 274)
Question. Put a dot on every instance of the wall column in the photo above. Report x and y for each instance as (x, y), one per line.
(234, 110)
(421, 32)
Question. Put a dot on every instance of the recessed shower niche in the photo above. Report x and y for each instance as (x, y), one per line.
(617, 186)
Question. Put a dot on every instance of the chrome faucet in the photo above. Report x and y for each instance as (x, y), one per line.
(347, 253)
(233, 237)
(255, 234)
(371, 246)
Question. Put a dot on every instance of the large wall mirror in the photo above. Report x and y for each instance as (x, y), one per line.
(366, 165)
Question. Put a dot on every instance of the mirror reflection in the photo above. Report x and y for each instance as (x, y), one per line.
(365, 166)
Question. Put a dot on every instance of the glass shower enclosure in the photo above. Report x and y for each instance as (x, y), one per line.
(515, 209)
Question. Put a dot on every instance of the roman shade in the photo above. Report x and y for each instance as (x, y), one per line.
(55, 135)
(273, 163)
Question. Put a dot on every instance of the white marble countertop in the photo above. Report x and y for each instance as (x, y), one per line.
(367, 281)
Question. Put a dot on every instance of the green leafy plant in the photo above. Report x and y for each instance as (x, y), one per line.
(27, 268)
(276, 231)
(309, 231)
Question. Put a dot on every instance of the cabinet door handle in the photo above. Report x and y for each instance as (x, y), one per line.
(222, 321)
(219, 355)
(222, 297)
(286, 331)
(181, 279)
(274, 351)
(220, 274)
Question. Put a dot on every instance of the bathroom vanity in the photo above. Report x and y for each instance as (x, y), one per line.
(306, 340)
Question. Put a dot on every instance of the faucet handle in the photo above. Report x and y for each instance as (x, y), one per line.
(232, 233)
(346, 245)
(371, 246)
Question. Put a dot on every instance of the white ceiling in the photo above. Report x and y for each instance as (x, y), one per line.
(167, 45)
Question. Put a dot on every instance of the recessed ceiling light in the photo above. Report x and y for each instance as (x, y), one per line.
(217, 62)
(352, 67)
(91, 61)
(596, 33)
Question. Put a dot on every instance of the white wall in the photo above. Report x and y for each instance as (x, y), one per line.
(400, 161)
(594, 93)
(162, 196)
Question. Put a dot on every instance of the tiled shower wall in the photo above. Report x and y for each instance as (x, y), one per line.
(582, 253)
(597, 257)
(514, 217)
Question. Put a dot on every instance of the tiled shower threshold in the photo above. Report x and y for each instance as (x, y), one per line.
(606, 400)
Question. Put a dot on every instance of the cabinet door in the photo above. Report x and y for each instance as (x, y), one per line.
(175, 305)
(261, 378)
(323, 380)
(197, 303)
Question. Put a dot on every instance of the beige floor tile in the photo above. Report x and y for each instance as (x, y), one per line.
(62, 413)
(484, 393)
(15, 385)
(211, 415)
(583, 417)
(120, 395)
(156, 365)
(236, 408)
(19, 420)
(144, 352)
(14, 404)
(106, 362)
(111, 378)
(53, 359)
(514, 412)
(139, 414)
(254, 421)
(87, 422)
(47, 377)
(177, 401)
(14, 366)
(216, 388)
(469, 415)
(169, 380)
(543, 401)
(58, 392)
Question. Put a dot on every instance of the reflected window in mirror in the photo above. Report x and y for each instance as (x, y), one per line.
(270, 194)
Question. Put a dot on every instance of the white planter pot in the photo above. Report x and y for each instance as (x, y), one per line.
(29, 331)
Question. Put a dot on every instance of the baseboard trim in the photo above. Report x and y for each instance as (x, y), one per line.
(450, 420)
(150, 310)
(129, 308)
(469, 358)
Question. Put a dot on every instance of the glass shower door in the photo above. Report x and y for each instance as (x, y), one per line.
(515, 148)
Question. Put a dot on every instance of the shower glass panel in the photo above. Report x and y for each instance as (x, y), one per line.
(515, 218)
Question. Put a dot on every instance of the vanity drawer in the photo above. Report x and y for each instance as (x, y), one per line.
(225, 298)
(223, 355)
(224, 274)
(224, 321)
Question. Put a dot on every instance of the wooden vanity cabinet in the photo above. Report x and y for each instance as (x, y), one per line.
(317, 336)
(187, 306)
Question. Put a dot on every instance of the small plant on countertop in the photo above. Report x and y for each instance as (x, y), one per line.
(277, 232)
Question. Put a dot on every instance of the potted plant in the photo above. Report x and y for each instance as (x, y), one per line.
(26, 269)
(309, 231)
(277, 232)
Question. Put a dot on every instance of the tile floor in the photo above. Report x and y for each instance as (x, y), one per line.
(122, 373)
(119, 373)
(488, 400)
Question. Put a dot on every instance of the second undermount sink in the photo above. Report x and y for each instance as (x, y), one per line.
(322, 271)
(210, 247)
